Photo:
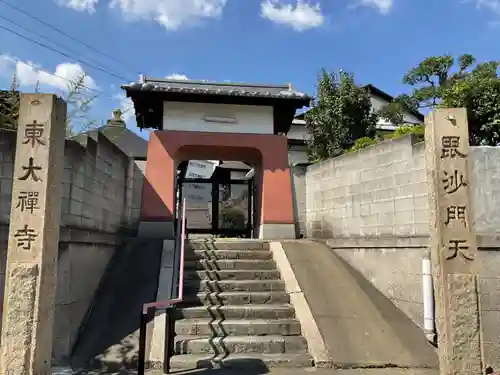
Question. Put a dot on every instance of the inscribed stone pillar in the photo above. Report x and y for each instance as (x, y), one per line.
(31, 270)
(453, 242)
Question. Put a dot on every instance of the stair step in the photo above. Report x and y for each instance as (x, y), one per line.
(255, 327)
(232, 275)
(239, 344)
(245, 362)
(258, 254)
(209, 286)
(269, 311)
(237, 244)
(230, 264)
(125, 364)
(236, 298)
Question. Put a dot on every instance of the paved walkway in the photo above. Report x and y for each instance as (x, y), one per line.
(360, 326)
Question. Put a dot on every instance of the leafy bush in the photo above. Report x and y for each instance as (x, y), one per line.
(417, 130)
(362, 143)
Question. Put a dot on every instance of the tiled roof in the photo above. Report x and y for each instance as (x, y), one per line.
(216, 88)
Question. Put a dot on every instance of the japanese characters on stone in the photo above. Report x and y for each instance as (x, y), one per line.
(455, 213)
(31, 171)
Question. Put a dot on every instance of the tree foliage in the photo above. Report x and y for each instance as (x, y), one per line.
(79, 101)
(340, 115)
(9, 107)
(443, 81)
(77, 96)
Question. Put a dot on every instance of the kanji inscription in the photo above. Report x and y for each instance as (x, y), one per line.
(30, 171)
(25, 237)
(456, 213)
(449, 147)
(27, 201)
(459, 248)
(453, 181)
(33, 134)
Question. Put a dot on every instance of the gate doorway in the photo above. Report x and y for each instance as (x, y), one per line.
(219, 206)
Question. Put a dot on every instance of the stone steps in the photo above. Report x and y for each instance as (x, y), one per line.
(232, 275)
(247, 312)
(228, 254)
(243, 362)
(239, 344)
(230, 265)
(227, 245)
(238, 327)
(236, 310)
(213, 286)
(236, 298)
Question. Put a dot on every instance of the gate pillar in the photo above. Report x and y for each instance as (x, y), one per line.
(158, 192)
(277, 216)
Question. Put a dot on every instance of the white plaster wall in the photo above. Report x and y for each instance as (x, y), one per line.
(298, 131)
(197, 116)
(378, 103)
(297, 156)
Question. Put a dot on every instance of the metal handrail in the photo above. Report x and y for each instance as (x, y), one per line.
(168, 305)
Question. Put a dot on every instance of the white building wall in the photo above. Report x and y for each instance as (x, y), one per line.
(218, 118)
(297, 156)
(298, 131)
(378, 103)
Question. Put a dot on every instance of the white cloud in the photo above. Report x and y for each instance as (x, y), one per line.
(493, 5)
(126, 106)
(178, 77)
(301, 16)
(383, 6)
(80, 5)
(171, 14)
(29, 74)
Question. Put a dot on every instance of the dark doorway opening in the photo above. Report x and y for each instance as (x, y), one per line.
(219, 205)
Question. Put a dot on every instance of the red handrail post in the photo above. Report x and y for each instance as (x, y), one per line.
(168, 305)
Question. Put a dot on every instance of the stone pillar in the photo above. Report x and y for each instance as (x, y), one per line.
(31, 269)
(453, 243)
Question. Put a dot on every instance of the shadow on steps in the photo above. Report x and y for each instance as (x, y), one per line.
(360, 326)
(242, 367)
(110, 332)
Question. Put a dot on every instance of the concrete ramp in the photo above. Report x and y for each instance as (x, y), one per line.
(109, 336)
(361, 328)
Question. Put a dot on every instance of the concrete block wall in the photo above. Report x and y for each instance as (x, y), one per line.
(94, 187)
(101, 196)
(485, 182)
(380, 191)
(371, 208)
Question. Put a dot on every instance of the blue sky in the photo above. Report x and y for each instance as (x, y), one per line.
(258, 41)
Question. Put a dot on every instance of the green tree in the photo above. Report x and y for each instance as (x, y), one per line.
(444, 81)
(9, 106)
(77, 96)
(341, 114)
